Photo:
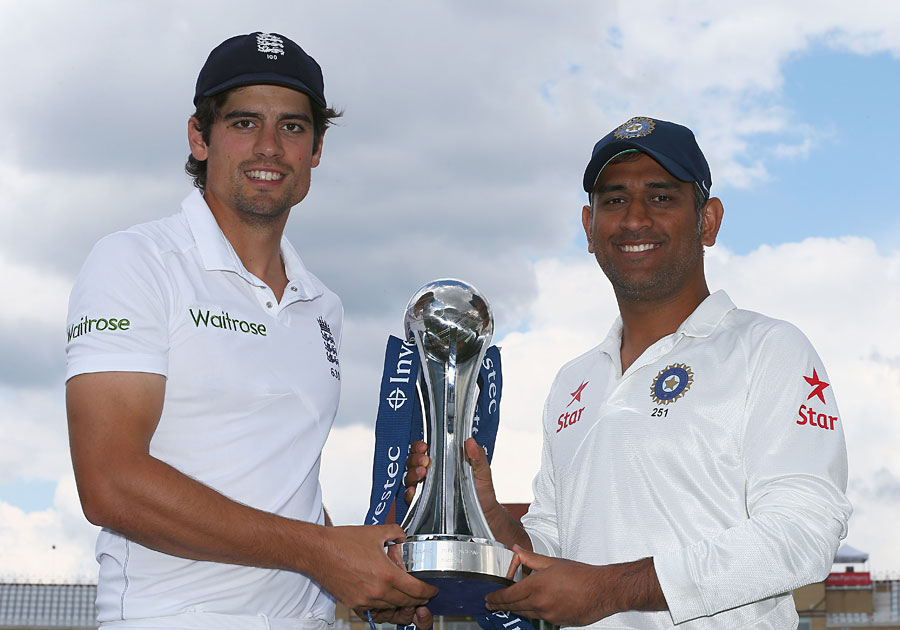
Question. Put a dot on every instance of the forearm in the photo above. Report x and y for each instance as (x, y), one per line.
(159, 507)
(632, 586)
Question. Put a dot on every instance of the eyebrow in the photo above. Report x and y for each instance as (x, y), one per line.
(662, 185)
(248, 114)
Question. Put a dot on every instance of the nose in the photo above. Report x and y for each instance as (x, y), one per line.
(268, 143)
(636, 216)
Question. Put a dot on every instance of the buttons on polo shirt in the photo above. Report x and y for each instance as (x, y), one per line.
(269, 305)
(293, 288)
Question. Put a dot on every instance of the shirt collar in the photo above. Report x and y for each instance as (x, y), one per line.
(706, 317)
(217, 254)
(701, 323)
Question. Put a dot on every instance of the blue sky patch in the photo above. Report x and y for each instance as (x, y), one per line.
(30, 496)
(836, 189)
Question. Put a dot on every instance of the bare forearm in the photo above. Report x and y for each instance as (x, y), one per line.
(161, 508)
(633, 586)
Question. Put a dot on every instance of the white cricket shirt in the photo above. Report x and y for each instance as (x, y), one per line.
(720, 453)
(251, 393)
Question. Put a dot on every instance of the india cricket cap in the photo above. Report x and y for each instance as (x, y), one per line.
(670, 144)
(260, 58)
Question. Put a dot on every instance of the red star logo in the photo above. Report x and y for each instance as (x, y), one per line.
(576, 395)
(817, 385)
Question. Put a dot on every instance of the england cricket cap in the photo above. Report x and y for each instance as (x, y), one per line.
(670, 144)
(257, 58)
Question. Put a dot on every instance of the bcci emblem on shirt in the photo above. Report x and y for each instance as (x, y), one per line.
(671, 383)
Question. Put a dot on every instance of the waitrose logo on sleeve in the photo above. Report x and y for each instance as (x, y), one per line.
(88, 325)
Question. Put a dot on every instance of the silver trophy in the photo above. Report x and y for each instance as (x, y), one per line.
(448, 540)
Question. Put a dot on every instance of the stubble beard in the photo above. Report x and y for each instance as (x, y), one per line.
(262, 209)
(261, 212)
(665, 283)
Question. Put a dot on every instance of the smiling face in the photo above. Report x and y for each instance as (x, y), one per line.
(642, 228)
(260, 153)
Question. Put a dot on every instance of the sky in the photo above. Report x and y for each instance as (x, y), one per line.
(466, 130)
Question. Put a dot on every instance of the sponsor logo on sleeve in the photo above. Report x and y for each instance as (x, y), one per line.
(568, 418)
(88, 324)
(816, 418)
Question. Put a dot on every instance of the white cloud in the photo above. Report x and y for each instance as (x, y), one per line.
(35, 438)
(32, 294)
(55, 544)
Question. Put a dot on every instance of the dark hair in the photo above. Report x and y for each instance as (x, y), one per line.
(208, 111)
(700, 197)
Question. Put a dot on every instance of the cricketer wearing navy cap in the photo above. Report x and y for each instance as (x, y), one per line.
(637, 176)
(681, 482)
(197, 429)
(256, 59)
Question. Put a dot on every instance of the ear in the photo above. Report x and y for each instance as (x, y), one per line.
(712, 220)
(195, 140)
(587, 221)
(317, 156)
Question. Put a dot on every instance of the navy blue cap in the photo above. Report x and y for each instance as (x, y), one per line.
(258, 58)
(670, 144)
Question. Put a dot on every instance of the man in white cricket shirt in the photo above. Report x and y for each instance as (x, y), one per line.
(203, 379)
(694, 469)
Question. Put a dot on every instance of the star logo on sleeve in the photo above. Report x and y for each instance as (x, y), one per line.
(817, 385)
(576, 395)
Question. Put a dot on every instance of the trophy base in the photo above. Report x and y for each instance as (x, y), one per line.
(464, 569)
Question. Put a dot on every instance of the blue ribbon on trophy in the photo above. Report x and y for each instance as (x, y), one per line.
(449, 544)
(399, 417)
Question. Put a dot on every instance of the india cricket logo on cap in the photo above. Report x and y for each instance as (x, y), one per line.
(635, 128)
(671, 383)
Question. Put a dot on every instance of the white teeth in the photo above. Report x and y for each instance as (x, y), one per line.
(267, 176)
(639, 248)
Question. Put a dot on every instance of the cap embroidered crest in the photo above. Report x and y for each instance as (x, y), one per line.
(637, 127)
(671, 383)
(270, 44)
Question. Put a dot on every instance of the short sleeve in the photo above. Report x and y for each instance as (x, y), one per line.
(119, 309)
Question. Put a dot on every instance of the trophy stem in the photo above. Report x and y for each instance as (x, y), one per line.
(450, 445)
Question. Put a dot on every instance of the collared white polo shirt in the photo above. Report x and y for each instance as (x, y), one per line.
(720, 453)
(251, 393)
